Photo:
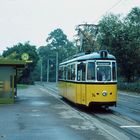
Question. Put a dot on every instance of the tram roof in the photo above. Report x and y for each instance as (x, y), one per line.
(91, 56)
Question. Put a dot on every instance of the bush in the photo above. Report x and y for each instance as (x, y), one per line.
(133, 87)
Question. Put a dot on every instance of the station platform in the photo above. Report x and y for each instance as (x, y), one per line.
(37, 115)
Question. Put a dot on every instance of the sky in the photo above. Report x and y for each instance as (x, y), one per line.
(33, 20)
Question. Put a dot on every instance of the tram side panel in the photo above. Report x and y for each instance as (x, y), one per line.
(71, 91)
(60, 85)
(81, 94)
(65, 89)
(62, 88)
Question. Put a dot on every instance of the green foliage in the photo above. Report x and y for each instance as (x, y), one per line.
(134, 87)
(56, 39)
(22, 86)
(16, 51)
(57, 43)
(122, 38)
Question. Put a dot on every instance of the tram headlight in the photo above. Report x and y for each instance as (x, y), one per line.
(104, 93)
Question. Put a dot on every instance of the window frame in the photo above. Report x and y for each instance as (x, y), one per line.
(61, 68)
(115, 71)
(90, 61)
(64, 68)
(85, 62)
(107, 61)
(70, 65)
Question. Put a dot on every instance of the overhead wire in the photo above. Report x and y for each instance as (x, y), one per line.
(118, 2)
(113, 6)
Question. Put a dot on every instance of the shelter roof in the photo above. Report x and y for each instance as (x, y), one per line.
(14, 63)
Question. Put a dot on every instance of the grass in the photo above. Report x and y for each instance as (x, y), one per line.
(22, 86)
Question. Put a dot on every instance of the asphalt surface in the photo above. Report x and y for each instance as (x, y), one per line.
(37, 115)
(121, 122)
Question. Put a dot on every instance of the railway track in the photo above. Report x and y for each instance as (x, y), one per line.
(111, 122)
(133, 133)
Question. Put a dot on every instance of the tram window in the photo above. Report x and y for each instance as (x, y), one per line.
(69, 72)
(73, 72)
(114, 71)
(91, 71)
(60, 74)
(81, 70)
(103, 73)
(64, 73)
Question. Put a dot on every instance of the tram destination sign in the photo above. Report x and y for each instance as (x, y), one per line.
(103, 63)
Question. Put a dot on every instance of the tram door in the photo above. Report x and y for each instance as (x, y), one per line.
(81, 86)
(83, 93)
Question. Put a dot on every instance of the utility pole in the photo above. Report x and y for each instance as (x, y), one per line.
(41, 70)
(56, 67)
(48, 70)
(87, 34)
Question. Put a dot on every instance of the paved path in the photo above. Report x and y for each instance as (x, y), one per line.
(37, 115)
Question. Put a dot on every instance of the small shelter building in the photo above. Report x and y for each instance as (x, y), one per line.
(8, 79)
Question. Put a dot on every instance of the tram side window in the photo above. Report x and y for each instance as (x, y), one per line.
(69, 72)
(91, 71)
(60, 74)
(64, 73)
(81, 72)
(73, 72)
(114, 71)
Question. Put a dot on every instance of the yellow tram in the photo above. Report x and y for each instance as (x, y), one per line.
(90, 79)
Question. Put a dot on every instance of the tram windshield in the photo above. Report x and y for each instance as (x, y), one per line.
(103, 73)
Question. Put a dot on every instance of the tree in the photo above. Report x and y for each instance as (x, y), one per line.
(132, 29)
(110, 29)
(16, 51)
(122, 38)
(57, 43)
